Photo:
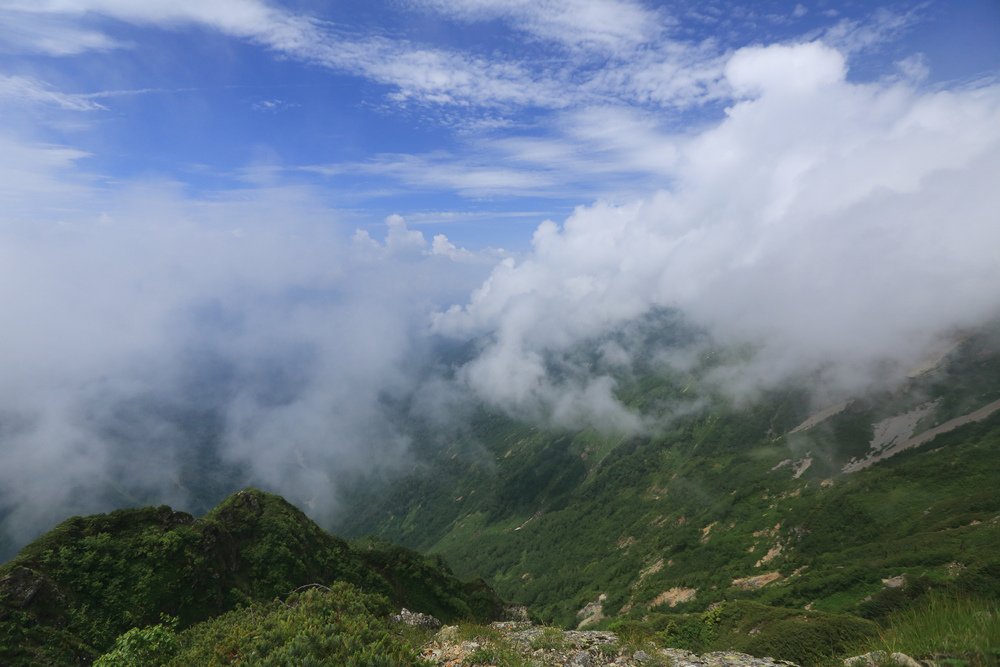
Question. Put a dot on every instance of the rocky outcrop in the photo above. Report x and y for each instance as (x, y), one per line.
(881, 659)
(20, 586)
(674, 597)
(505, 642)
(592, 612)
(755, 582)
(416, 619)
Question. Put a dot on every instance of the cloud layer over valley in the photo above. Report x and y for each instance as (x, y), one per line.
(216, 325)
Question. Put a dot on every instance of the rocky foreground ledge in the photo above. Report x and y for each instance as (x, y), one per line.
(520, 642)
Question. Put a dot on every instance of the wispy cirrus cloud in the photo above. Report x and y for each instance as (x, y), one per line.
(27, 31)
(606, 26)
(589, 152)
(851, 36)
(416, 73)
(664, 73)
(620, 51)
(27, 90)
(444, 170)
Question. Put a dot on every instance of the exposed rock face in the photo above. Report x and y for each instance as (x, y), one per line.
(771, 554)
(516, 612)
(759, 581)
(880, 659)
(550, 647)
(820, 417)
(674, 597)
(650, 570)
(20, 586)
(416, 619)
(892, 437)
(683, 658)
(592, 612)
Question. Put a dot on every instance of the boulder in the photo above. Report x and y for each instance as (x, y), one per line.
(416, 619)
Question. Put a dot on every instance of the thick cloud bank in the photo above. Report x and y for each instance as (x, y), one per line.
(178, 342)
(834, 225)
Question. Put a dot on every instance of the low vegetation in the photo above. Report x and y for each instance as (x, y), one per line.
(339, 625)
(965, 630)
(71, 593)
(803, 637)
(724, 503)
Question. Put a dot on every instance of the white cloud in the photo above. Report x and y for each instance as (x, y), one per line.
(418, 74)
(602, 140)
(42, 179)
(272, 106)
(832, 224)
(239, 17)
(794, 69)
(825, 221)
(29, 32)
(914, 68)
(672, 76)
(135, 313)
(442, 77)
(621, 53)
(445, 170)
(852, 36)
(662, 72)
(26, 90)
(584, 152)
(605, 25)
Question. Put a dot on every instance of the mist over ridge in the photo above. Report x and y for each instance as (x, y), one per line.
(158, 338)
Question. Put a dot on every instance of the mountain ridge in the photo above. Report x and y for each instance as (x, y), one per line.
(735, 501)
(70, 593)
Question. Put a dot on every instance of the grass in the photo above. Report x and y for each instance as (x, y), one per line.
(466, 632)
(966, 629)
(803, 637)
(551, 639)
(497, 656)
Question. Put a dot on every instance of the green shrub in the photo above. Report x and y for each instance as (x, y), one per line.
(96, 577)
(336, 626)
(142, 647)
(694, 632)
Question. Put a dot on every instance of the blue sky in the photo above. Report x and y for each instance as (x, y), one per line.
(480, 117)
(276, 212)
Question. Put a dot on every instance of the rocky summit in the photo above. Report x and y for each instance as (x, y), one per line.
(518, 642)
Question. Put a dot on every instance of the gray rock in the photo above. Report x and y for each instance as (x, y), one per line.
(876, 658)
(20, 586)
(416, 619)
(579, 648)
(518, 613)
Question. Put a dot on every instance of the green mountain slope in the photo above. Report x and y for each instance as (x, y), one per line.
(67, 596)
(749, 500)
